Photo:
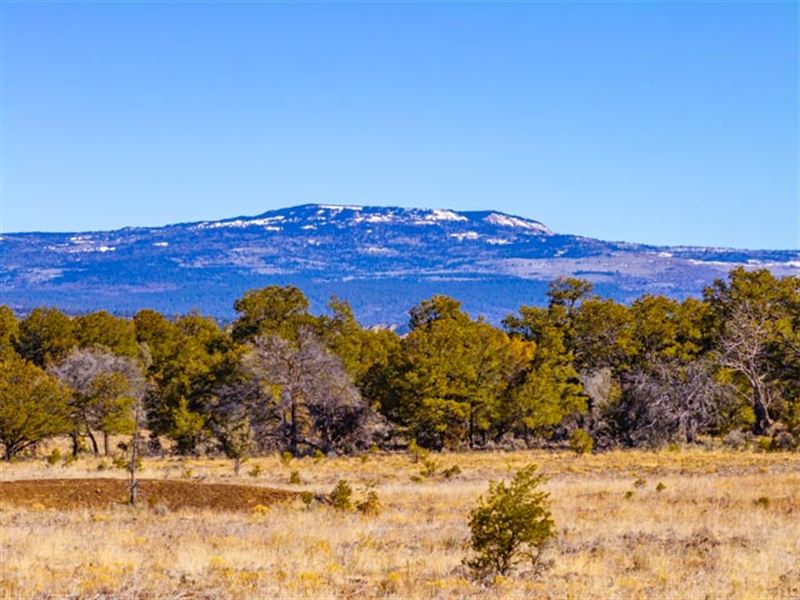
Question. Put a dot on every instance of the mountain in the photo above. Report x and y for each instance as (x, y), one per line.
(383, 260)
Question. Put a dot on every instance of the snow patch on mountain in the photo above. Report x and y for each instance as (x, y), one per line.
(240, 223)
(467, 235)
(502, 220)
(444, 215)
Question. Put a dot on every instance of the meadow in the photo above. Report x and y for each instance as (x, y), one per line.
(686, 523)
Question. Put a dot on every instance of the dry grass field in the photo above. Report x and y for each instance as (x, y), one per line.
(720, 525)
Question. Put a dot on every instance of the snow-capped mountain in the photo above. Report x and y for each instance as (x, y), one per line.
(383, 260)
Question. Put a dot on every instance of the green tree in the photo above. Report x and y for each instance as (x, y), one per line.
(448, 377)
(186, 427)
(45, 336)
(511, 525)
(9, 330)
(103, 329)
(602, 336)
(359, 349)
(33, 406)
(191, 358)
(273, 310)
(550, 389)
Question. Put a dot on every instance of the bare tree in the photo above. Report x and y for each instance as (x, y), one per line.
(104, 388)
(317, 404)
(743, 348)
(671, 399)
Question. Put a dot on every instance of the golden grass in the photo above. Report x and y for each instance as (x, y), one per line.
(703, 535)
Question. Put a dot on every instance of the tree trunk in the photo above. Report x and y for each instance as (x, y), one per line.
(237, 464)
(75, 445)
(763, 422)
(293, 428)
(105, 443)
(134, 485)
(471, 426)
(95, 447)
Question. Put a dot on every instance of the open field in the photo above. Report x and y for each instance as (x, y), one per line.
(725, 524)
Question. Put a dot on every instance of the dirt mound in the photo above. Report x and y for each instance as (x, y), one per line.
(102, 493)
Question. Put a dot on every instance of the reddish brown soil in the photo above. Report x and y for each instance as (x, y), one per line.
(102, 493)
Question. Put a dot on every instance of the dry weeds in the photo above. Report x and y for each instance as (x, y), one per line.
(702, 533)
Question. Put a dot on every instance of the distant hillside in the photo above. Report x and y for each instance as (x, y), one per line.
(383, 260)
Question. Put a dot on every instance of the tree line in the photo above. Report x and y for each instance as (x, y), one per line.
(281, 378)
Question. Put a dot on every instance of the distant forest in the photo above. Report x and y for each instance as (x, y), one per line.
(584, 371)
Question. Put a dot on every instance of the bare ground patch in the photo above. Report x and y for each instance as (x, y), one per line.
(70, 494)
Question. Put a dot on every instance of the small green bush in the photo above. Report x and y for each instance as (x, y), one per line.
(255, 471)
(640, 483)
(318, 455)
(511, 525)
(580, 441)
(54, 457)
(764, 443)
(761, 502)
(307, 498)
(341, 496)
(429, 467)
(370, 504)
(123, 463)
(451, 472)
(416, 453)
(628, 495)
(294, 478)
(286, 458)
(660, 487)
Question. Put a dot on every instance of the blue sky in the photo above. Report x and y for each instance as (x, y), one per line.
(671, 123)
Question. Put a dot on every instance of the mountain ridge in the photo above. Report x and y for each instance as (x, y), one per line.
(382, 259)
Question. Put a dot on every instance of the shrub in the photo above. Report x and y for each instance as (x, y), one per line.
(511, 525)
(429, 467)
(286, 457)
(124, 463)
(451, 472)
(660, 487)
(736, 440)
(580, 441)
(761, 502)
(640, 483)
(416, 453)
(764, 443)
(294, 478)
(783, 440)
(341, 496)
(318, 455)
(628, 495)
(307, 498)
(255, 471)
(370, 505)
(54, 457)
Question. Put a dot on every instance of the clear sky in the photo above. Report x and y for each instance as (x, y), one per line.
(672, 122)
